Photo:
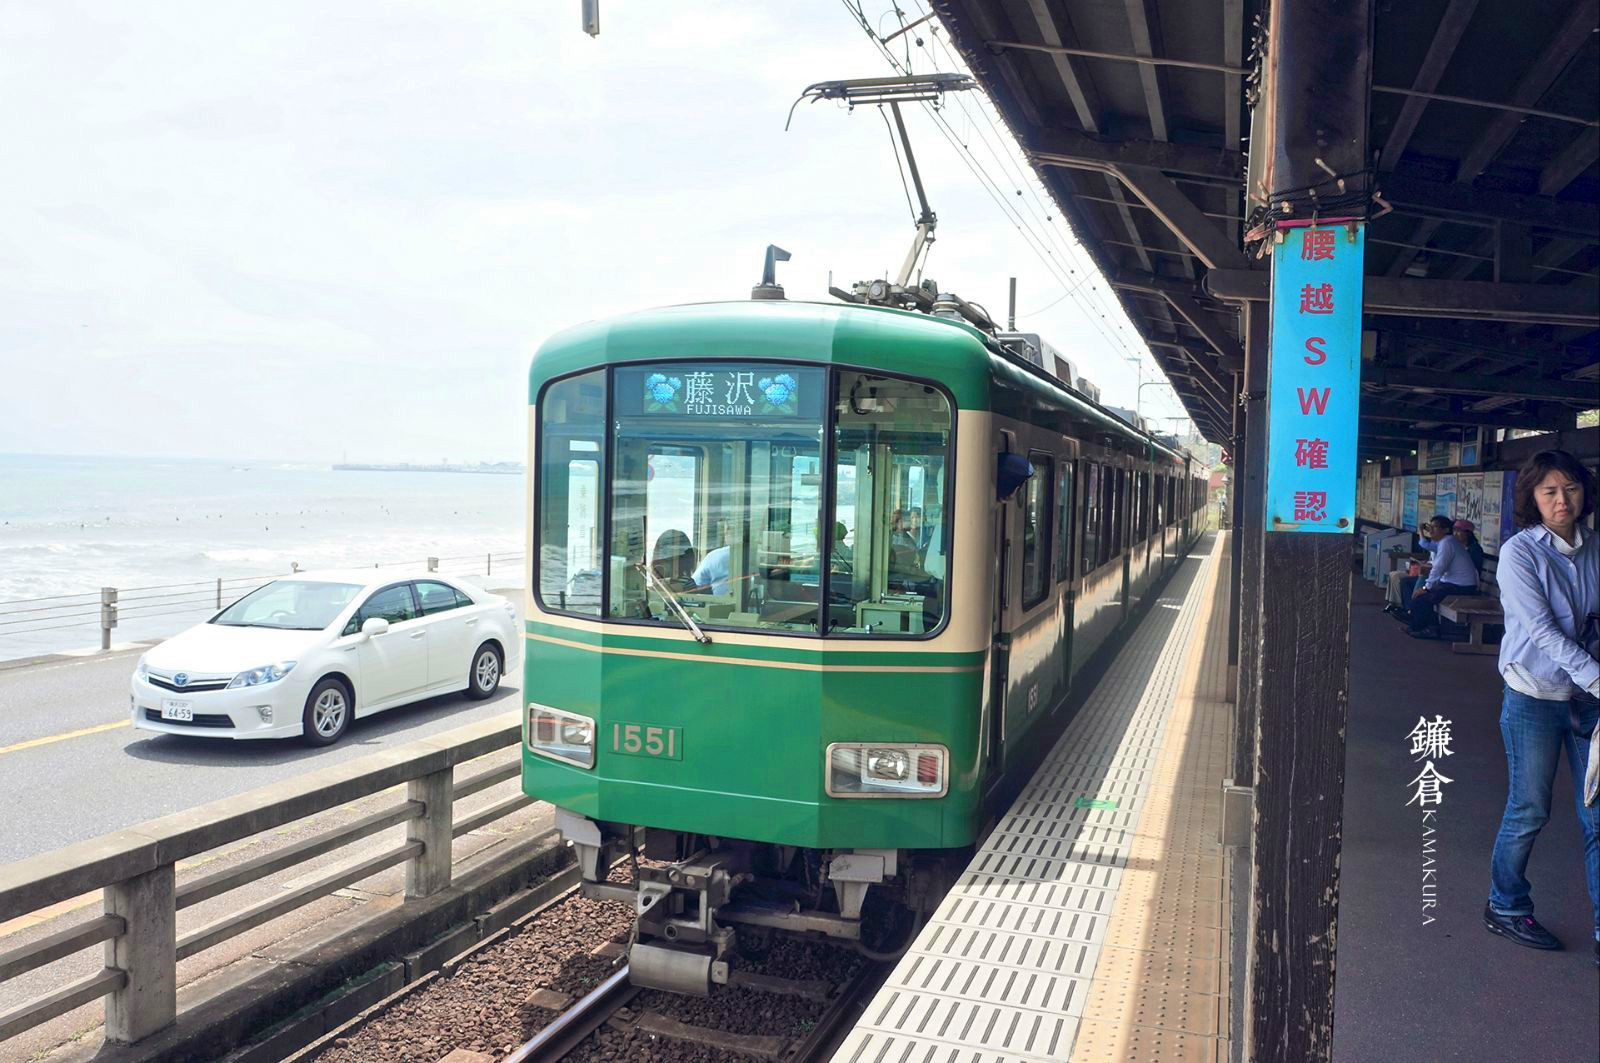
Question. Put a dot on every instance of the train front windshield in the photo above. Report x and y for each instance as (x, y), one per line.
(763, 496)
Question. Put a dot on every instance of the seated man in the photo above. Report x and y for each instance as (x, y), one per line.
(1452, 573)
(1401, 583)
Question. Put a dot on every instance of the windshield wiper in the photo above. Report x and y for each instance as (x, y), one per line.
(659, 586)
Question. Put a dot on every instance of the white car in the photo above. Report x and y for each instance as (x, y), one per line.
(305, 655)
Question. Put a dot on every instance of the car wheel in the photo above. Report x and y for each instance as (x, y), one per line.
(328, 712)
(484, 678)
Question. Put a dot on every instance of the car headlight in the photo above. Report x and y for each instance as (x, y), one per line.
(560, 735)
(141, 669)
(886, 769)
(267, 673)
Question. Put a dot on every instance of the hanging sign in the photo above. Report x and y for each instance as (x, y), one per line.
(1316, 379)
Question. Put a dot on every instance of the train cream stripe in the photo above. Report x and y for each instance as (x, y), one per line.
(942, 644)
(796, 666)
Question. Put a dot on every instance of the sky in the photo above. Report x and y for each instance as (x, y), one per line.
(304, 230)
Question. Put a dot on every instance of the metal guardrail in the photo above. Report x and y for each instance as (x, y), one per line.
(106, 607)
(136, 869)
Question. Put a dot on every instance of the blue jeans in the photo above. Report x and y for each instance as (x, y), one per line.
(1536, 732)
(1425, 599)
(1409, 586)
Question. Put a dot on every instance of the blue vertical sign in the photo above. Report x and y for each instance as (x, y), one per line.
(1316, 379)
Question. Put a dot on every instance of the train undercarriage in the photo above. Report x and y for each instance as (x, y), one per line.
(700, 902)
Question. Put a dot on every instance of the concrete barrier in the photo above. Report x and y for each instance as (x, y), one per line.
(135, 869)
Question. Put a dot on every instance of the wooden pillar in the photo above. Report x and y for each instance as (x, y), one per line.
(1251, 478)
(1236, 380)
(1319, 81)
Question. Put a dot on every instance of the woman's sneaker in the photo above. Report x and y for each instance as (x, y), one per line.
(1524, 930)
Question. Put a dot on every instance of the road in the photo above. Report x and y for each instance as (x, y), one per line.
(73, 768)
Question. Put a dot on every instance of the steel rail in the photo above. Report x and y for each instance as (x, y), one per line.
(842, 1012)
(574, 1025)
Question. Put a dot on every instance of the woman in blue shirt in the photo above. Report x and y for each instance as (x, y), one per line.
(1549, 576)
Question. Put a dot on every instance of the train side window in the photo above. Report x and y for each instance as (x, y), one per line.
(1116, 492)
(571, 442)
(1139, 489)
(891, 521)
(1091, 516)
(1036, 530)
(1063, 518)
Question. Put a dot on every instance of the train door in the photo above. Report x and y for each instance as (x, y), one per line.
(1065, 568)
(1000, 641)
(1122, 534)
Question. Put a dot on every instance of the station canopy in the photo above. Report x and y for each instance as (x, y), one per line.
(1482, 247)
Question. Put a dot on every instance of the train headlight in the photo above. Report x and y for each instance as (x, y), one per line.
(560, 735)
(890, 764)
(886, 769)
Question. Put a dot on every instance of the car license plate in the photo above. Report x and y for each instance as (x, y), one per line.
(182, 711)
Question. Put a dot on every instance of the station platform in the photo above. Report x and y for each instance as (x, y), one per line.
(1410, 989)
(1093, 924)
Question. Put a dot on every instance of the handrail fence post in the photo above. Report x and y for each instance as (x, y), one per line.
(147, 951)
(429, 871)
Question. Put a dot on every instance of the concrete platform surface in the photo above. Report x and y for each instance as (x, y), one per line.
(1408, 990)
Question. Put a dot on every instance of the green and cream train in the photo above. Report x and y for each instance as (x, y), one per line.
(810, 583)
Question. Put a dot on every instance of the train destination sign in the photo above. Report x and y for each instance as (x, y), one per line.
(1316, 379)
(724, 390)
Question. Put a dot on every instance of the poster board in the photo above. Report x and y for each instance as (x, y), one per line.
(1444, 495)
(1469, 499)
(1408, 502)
(1508, 524)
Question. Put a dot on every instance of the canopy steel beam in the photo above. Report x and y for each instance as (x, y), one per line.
(1570, 304)
(1178, 212)
(1064, 147)
(1411, 413)
(1541, 74)
(1460, 202)
(1440, 49)
(1145, 27)
(1517, 386)
(1082, 95)
(1413, 195)
(1575, 158)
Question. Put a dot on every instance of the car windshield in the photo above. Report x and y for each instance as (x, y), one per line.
(290, 604)
(722, 477)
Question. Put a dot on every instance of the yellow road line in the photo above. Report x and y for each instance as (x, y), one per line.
(30, 743)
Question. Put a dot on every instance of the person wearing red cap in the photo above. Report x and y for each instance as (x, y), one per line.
(1452, 573)
(1465, 533)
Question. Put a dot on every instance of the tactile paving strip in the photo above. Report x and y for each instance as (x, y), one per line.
(1006, 968)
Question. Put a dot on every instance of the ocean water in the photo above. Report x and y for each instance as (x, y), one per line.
(71, 525)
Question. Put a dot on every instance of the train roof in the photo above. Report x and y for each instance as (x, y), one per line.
(976, 370)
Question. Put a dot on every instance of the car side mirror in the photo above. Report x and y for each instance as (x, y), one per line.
(374, 625)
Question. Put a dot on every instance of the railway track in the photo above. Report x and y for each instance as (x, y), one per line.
(609, 1004)
(556, 987)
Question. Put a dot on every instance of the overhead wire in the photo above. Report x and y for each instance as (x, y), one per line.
(1024, 178)
(1035, 243)
(1021, 175)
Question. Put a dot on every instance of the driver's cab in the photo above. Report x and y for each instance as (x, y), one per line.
(724, 476)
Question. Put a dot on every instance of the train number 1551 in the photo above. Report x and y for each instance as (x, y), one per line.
(638, 740)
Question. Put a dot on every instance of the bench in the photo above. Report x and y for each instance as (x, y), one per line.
(1476, 612)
